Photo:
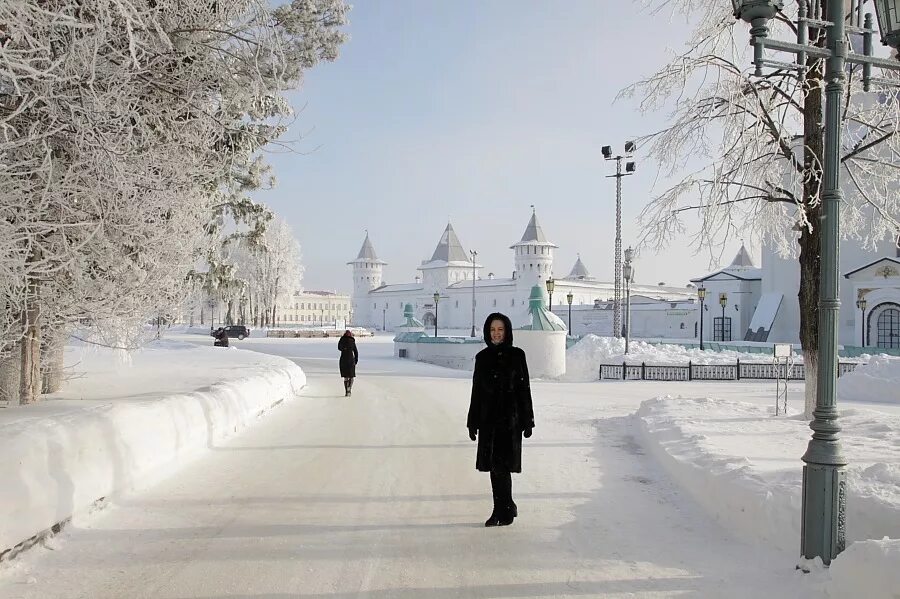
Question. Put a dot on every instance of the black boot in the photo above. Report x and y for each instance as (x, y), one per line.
(346, 387)
(504, 508)
(350, 386)
(508, 509)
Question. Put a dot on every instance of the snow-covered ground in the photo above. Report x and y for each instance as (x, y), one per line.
(637, 488)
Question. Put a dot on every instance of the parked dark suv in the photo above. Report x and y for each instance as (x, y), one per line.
(237, 330)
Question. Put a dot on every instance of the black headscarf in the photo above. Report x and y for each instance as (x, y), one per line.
(508, 337)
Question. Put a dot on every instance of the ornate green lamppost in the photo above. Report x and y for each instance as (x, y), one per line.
(701, 295)
(861, 304)
(437, 298)
(628, 273)
(550, 285)
(824, 485)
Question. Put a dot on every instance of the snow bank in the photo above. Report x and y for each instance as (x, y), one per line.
(743, 465)
(172, 402)
(879, 380)
(867, 569)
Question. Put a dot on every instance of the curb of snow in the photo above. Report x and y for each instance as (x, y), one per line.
(725, 486)
(767, 509)
(59, 467)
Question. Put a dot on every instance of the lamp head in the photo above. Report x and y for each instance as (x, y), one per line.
(607, 151)
(437, 298)
(749, 10)
(550, 285)
(861, 303)
(629, 147)
(701, 293)
(570, 297)
(630, 167)
(888, 12)
(723, 299)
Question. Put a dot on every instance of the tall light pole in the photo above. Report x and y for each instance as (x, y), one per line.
(824, 476)
(569, 298)
(723, 301)
(383, 317)
(617, 283)
(550, 283)
(628, 272)
(474, 254)
(701, 295)
(861, 304)
(437, 298)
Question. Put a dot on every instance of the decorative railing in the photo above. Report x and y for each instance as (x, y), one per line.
(710, 372)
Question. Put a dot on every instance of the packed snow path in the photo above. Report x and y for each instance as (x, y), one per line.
(376, 496)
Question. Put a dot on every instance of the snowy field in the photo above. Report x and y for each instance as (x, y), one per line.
(635, 489)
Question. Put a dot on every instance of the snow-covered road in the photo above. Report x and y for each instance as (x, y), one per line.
(376, 496)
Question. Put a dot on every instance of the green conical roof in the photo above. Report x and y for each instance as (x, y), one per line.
(411, 321)
(541, 318)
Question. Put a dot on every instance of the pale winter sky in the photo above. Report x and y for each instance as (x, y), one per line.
(472, 111)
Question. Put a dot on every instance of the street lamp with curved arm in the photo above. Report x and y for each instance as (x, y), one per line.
(437, 298)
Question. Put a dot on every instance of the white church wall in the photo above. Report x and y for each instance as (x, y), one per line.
(449, 352)
(782, 275)
(741, 293)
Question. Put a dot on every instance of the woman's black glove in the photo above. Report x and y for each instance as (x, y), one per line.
(527, 432)
(472, 433)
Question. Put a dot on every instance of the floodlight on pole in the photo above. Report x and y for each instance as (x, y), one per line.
(630, 147)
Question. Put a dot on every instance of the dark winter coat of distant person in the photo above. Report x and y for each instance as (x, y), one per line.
(500, 413)
(348, 360)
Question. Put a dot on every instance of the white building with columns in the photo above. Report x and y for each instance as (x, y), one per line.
(761, 304)
(456, 275)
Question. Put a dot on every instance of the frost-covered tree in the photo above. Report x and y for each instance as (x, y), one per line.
(125, 128)
(753, 150)
(273, 269)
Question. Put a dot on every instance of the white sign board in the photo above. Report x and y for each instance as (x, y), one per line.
(783, 350)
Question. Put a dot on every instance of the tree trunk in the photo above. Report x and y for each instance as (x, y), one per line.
(229, 318)
(10, 373)
(30, 378)
(811, 240)
(52, 359)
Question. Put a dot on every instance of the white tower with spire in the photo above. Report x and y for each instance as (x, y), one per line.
(449, 264)
(533, 259)
(367, 275)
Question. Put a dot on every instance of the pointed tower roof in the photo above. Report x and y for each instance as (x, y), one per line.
(742, 259)
(579, 271)
(533, 234)
(449, 249)
(367, 253)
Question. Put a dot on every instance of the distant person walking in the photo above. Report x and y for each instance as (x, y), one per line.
(500, 413)
(221, 337)
(349, 358)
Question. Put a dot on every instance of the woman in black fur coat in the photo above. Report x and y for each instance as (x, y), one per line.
(500, 413)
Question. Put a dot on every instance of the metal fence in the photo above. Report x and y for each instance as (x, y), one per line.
(710, 372)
